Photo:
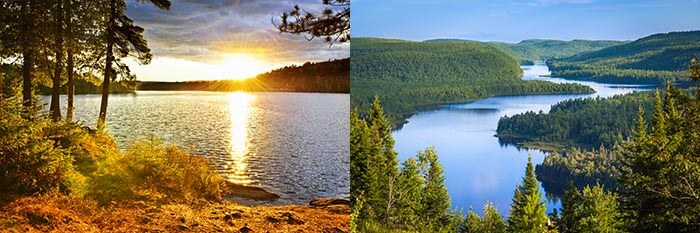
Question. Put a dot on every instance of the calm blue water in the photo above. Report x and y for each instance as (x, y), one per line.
(478, 168)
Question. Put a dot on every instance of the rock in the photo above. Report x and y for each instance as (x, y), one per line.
(328, 201)
(236, 214)
(250, 192)
(272, 219)
(292, 219)
(245, 229)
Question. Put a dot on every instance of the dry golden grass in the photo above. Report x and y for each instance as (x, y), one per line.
(70, 214)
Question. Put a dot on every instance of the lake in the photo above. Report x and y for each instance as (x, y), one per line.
(479, 169)
(293, 144)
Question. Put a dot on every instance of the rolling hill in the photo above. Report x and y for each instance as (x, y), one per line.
(540, 49)
(409, 75)
(652, 59)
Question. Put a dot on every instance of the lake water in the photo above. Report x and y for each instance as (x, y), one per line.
(293, 144)
(478, 168)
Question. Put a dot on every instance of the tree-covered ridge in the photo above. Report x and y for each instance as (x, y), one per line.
(586, 123)
(327, 76)
(652, 59)
(542, 49)
(408, 75)
(580, 167)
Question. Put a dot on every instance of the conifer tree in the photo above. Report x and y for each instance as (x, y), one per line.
(661, 169)
(410, 184)
(528, 212)
(597, 212)
(435, 199)
(359, 145)
(492, 222)
(568, 208)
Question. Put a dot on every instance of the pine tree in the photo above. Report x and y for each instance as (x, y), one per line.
(382, 169)
(528, 212)
(492, 222)
(572, 197)
(661, 173)
(410, 184)
(359, 148)
(597, 212)
(472, 223)
(435, 200)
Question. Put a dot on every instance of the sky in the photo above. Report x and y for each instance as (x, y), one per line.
(223, 39)
(513, 21)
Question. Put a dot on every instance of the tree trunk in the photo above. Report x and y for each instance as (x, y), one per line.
(108, 67)
(56, 93)
(27, 62)
(70, 65)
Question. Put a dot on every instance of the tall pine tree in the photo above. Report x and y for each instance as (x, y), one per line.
(528, 211)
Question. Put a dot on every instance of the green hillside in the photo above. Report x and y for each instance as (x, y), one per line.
(407, 75)
(653, 59)
(538, 49)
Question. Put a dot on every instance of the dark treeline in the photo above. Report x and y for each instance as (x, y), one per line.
(537, 49)
(407, 75)
(653, 59)
(82, 86)
(329, 76)
(586, 123)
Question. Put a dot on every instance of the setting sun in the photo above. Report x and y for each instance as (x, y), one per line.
(242, 66)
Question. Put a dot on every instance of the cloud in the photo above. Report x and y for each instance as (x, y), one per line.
(207, 30)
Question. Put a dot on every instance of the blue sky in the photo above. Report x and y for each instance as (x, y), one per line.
(512, 21)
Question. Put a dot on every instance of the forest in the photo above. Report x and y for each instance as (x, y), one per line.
(647, 183)
(584, 122)
(328, 76)
(409, 75)
(527, 51)
(656, 58)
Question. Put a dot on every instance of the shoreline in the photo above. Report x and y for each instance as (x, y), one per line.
(65, 213)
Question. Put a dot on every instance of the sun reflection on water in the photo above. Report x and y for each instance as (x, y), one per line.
(240, 110)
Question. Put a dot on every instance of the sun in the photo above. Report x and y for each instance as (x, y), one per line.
(242, 66)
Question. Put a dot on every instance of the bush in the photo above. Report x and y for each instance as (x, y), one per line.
(151, 170)
(32, 159)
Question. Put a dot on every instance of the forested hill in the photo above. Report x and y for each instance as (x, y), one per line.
(539, 49)
(652, 59)
(585, 123)
(407, 74)
(328, 76)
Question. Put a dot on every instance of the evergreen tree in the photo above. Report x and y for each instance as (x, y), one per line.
(123, 38)
(383, 165)
(435, 199)
(568, 208)
(409, 186)
(359, 145)
(661, 173)
(597, 212)
(472, 223)
(492, 222)
(528, 211)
